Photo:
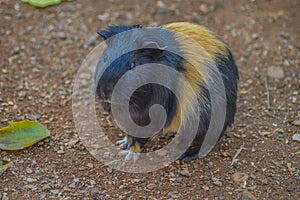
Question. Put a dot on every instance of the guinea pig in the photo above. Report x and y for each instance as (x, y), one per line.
(217, 54)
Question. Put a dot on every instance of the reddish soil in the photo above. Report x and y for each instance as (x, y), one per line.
(42, 49)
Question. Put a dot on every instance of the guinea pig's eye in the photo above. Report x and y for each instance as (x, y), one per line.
(132, 65)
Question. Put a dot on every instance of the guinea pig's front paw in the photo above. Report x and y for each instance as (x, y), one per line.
(132, 152)
(124, 143)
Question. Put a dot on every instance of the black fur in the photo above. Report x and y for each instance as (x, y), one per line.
(229, 72)
(146, 96)
(230, 76)
(113, 30)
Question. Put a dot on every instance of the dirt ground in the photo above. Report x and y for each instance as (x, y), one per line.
(42, 49)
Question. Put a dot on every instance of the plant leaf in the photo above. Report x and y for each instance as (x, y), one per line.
(42, 3)
(22, 134)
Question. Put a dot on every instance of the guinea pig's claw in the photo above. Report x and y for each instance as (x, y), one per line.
(130, 155)
(123, 143)
(131, 150)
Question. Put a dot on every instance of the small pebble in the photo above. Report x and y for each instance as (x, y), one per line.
(103, 17)
(62, 35)
(253, 176)
(42, 196)
(4, 197)
(291, 187)
(296, 137)
(32, 187)
(248, 196)
(151, 186)
(216, 181)
(173, 194)
(89, 43)
(46, 187)
(76, 180)
(103, 192)
(245, 197)
(284, 35)
(60, 151)
(54, 191)
(28, 170)
(72, 185)
(109, 169)
(275, 72)
(185, 172)
(160, 4)
(90, 165)
(255, 36)
(83, 191)
(203, 8)
(30, 180)
(17, 7)
(296, 122)
(286, 63)
(72, 142)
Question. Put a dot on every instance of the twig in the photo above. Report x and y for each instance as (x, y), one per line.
(277, 164)
(268, 93)
(271, 115)
(234, 159)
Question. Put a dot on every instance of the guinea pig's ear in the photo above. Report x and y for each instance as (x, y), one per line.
(157, 50)
(104, 34)
(152, 45)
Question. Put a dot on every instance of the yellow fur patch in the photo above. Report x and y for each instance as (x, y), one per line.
(136, 148)
(175, 124)
(200, 48)
(201, 35)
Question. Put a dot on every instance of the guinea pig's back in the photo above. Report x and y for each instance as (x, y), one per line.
(204, 52)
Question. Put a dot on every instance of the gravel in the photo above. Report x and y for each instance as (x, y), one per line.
(42, 50)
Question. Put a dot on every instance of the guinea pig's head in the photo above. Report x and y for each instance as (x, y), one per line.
(147, 51)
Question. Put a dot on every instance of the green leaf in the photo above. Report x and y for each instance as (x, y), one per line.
(42, 3)
(22, 134)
